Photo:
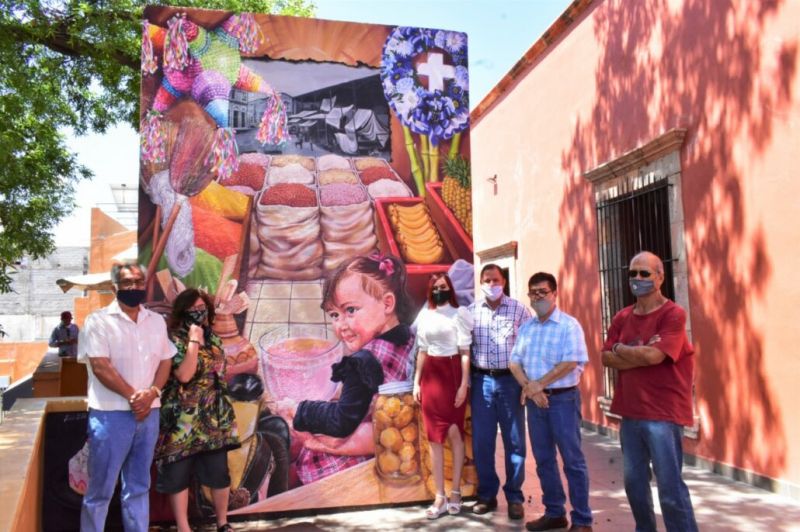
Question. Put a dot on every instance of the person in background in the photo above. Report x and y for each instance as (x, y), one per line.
(547, 361)
(441, 384)
(197, 419)
(495, 398)
(127, 352)
(65, 336)
(647, 343)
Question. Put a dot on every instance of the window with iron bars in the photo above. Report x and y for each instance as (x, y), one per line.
(628, 222)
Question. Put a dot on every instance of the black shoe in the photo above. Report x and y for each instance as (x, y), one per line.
(547, 523)
(516, 510)
(484, 506)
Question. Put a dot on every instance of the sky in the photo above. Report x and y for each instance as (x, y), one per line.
(499, 33)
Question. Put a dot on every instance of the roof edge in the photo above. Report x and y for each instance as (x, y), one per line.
(522, 67)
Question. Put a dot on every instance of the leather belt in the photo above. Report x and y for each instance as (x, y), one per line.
(556, 391)
(500, 372)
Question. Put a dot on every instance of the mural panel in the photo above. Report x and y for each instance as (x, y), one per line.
(276, 154)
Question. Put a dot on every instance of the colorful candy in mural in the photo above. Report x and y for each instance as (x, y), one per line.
(276, 154)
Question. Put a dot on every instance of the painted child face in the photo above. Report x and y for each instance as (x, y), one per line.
(357, 316)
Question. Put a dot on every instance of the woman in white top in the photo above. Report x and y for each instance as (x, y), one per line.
(444, 334)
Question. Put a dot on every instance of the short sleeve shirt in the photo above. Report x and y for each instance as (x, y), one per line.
(495, 331)
(662, 392)
(443, 330)
(61, 333)
(542, 345)
(135, 349)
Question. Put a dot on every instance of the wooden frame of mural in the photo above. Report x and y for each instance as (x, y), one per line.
(276, 151)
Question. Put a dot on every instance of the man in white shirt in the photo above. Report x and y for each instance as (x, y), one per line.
(127, 352)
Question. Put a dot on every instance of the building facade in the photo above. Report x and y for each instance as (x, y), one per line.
(673, 127)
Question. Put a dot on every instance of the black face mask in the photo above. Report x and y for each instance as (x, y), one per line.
(440, 297)
(197, 317)
(131, 298)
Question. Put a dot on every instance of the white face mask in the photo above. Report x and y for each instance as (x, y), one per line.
(492, 293)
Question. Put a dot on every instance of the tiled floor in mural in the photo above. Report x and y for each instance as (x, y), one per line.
(275, 304)
(280, 310)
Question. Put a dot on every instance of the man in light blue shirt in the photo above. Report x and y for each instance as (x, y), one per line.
(547, 361)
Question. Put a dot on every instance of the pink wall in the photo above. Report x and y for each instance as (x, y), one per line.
(623, 73)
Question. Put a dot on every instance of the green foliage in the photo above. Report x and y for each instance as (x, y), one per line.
(68, 65)
(459, 169)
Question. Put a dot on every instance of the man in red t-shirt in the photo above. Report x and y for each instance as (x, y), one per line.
(647, 343)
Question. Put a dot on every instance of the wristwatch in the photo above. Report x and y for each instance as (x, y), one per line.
(157, 390)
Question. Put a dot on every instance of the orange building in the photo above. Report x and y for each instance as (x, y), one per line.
(670, 126)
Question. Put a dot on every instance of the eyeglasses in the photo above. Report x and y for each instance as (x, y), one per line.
(644, 274)
(131, 283)
(540, 292)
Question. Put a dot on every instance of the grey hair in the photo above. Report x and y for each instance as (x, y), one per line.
(126, 265)
(650, 256)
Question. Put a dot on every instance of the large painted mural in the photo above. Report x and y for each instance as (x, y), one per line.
(276, 151)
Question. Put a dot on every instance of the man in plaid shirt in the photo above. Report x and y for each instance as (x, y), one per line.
(547, 361)
(496, 394)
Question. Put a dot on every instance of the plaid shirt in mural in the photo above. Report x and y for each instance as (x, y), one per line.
(393, 351)
(495, 331)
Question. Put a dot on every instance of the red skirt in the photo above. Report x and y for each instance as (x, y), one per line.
(439, 382)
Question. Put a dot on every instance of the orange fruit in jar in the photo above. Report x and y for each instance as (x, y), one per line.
(380, 402)
(407, 452)
(392, 406)
(409, 432)
(391, 439)
(388, 462)
(382, 419)
(408, 399)
(408, 468)
(405, 416)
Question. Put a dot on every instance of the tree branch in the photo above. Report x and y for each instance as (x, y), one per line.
(62, 42)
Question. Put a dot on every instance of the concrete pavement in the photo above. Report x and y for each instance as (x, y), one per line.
(720, 504)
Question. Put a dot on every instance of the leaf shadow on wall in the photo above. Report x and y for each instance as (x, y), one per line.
(714, 75)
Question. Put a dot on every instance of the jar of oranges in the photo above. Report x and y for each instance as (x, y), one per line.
(395, 428)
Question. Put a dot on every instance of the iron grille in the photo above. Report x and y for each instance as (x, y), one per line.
(627, 224)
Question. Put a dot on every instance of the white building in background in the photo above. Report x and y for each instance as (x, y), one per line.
(32, 309)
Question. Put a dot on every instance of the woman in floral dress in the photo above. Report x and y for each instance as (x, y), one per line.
(197, 419)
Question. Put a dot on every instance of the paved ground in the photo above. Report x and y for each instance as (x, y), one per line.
(720, 504)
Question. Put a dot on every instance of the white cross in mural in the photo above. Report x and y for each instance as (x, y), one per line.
(436, 71)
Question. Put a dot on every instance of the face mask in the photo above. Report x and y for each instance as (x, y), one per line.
(440, 297)
(541, 306)
(492, 293)
(198, 317)
(131, 298)
(641, 287)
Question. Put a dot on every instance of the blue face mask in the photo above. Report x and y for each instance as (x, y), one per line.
(641, 287)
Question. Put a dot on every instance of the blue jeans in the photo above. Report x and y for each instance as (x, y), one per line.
(119, 444)
(495, 400)
(657, 442)
(559, 427)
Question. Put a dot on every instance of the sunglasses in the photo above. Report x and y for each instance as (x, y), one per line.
(644, 274)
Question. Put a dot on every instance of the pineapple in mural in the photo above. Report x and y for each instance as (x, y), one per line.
(457, 191)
